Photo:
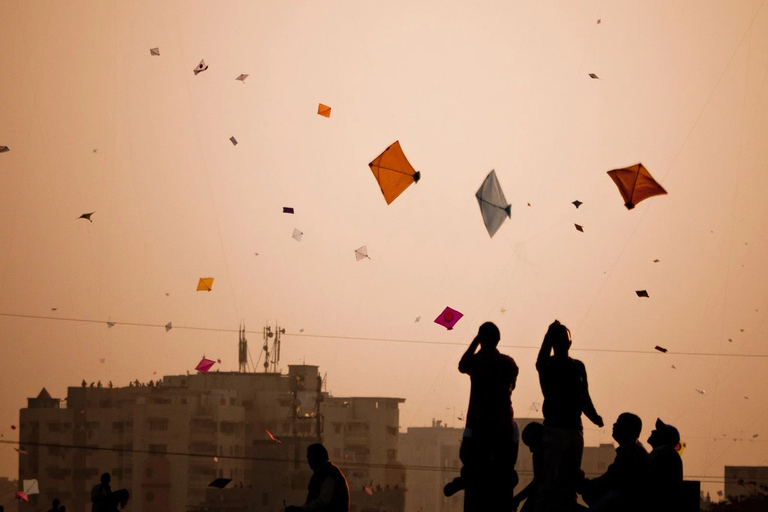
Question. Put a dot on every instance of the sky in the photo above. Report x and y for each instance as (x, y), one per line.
(95, 123)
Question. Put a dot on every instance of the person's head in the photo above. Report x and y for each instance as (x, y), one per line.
(560, 337)
(664, 435)
(105, 479)
(532, 435)
(56, 503)
(63, 509)
(627, 428)
(316, 455)
(489, 335)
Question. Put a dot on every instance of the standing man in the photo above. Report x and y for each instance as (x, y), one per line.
(328, 490)
(488, 448)
(101, 495)
(566, 396)
(666, 478)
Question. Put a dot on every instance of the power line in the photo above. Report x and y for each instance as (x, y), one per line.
(386, 340)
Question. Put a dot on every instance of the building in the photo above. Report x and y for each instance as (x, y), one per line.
(431, 457)
(742, 481)
(167, 441)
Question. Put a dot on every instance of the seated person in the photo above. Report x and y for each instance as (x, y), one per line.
(328, 490)
(623, 486)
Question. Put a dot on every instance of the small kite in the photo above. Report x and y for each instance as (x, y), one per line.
(13, 427)
(242, 77)
(110, 325)
(200, 67)
(276, 440)
(493, 204)
(205, 284)
(168, 326)
(660, 349)
(154, 51)
(220, 483)
(368, 490)
(21, 496)
(635, 183)
(594, 76)
(642, 293)
(393, 172)
(323, 110)
(233, 140)
(577, 203)
(418, 319)
(215, 459)
(286, 209)
(701, 391)
(54, 309)
(4, 149)
(680, 448)
(448, 318)
(21, 451)
(297, 235)
(503, 310)
(361, 253)
(656, 261)
(204, 365)
(31, 486)
(599, 21)
(86, 216)
(579, 227)
(102, 360)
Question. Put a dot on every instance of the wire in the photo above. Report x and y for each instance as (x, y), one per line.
(387, 340)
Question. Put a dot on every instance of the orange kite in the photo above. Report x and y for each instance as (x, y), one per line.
(393, 172)
(635, 184)
(323, 110)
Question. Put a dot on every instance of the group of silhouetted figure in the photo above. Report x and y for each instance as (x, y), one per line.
(635, 481)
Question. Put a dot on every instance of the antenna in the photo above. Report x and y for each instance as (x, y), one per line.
(243, 350)
(267, 332)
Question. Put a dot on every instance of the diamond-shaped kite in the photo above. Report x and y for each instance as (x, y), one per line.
(86, 216)
(361, 253)
(110, 325)
(242, 77)
(287, 209)
(154, 51)
(577, 203)
(594, 76)
(31, 487)
(205, 284)
(642, 293)
(323, 110)
(276, 440)
(200, 67)
(204, 365)
(393, 172)
(493, 204)
(168, 326)
(448, 318)
(579, 227)
(21, 496)
(635, 183)
(220, 483)
(4, 149)
(297, 235)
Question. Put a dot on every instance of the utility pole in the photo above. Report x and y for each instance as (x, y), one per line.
(272, 354)
(243, 350)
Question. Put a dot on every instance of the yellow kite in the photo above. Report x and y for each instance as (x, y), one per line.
(635, 184)
(393, 172)
(205, 284)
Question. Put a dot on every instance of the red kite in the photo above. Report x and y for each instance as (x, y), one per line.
(635, 184)
(204, 365)
(393, 172)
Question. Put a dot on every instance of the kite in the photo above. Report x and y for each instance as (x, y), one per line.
(276, 440)
(21, 496)
(215, 459)
(594, 76)
(200, 67)
(21, 451)
(204, 365)
(287, 210)
(220, 483)
(368, 490)
(13, 427)
(242, 77)
(418, 318)
(31, 486)
(700, 391)
(680, 448)
(599, 21)
(503, 310)
(361, 253)
(54, 309)
(297, 235)
(233, 140)
(656, 261)
(579, 227)
(448, 318)
(154, 51)
(635, 183)
(205, 284)
(660, 349)
(110, 325)
(577, 203)
(393, 172)
(642, 293)
(168, 326)
(102, 360)
(493, 204)
(323, 110)
(4, 149)
(86, 216)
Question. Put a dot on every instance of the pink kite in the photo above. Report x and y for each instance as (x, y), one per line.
(448, 318)
(21, 496)
(368, 491)
(276, 440)
(204, 365)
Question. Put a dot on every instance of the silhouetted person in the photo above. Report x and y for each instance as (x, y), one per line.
(328, 490)
(55, 506)
(100, 494)
(488, 448)
(566, 396)
(666, 475)
(622, 487)
(533, 435)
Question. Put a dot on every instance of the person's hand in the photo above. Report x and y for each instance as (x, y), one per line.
(599, 422)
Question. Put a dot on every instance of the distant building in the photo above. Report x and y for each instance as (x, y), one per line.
(167, 441)
(742, 481)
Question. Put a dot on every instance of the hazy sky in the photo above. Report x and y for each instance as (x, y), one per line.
(465, 87)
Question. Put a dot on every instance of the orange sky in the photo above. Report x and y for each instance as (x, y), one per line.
(465, 87)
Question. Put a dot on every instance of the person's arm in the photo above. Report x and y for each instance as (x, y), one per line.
(546, 347)
(587, 407)
(465, 364)
(324, 499)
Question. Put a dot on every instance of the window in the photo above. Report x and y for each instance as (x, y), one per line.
(392, 430)
(118, 425)
(337, 428)
(158, 448)
(391, 454)
(149, 474)
(157, 424)
(54, 427)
